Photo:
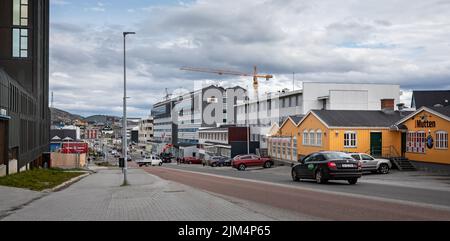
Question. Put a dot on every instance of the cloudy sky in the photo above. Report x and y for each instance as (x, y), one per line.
(372, 41)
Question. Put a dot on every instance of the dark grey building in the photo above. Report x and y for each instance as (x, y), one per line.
(430, 98)
(24, 82)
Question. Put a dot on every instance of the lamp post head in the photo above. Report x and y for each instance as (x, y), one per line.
(127, 33)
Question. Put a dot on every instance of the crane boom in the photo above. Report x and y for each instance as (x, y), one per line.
(255, 74)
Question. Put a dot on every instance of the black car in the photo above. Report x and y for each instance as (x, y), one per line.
(325, 166)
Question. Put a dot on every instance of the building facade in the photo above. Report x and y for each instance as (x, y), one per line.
(226, 141)
(426, 135)
(146, 133)
(92, 133)
(277, 107)
(177, 120)
(24, 82)
(360, 131)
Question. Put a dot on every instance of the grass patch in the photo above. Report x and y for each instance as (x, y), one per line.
(38, 179)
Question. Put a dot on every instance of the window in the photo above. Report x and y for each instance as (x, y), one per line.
(305, 138)
(350, 140)
(441, 140)
(356, 157)
(20, 12)
(20, 43)
(319, 138)
(294, 150)
(309, 159)
(312, 138)
(320, 158)
(367, 158)
(415, 142)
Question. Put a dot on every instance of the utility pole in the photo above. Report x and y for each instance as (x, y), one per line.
(124, 136)
(248, 123)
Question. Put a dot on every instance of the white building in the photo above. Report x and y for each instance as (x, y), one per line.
(146, 133)
(276, 107)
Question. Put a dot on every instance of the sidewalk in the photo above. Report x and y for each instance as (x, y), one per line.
(14, 198)
(100, 197)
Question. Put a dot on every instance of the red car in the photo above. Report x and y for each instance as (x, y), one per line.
(243, 161)
(191, 160)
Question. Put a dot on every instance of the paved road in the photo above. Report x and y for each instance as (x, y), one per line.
(301, 198)
(366, 187)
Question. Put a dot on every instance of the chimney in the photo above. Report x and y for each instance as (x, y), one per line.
(388, 105)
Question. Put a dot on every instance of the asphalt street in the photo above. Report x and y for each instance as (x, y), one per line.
(412, 195)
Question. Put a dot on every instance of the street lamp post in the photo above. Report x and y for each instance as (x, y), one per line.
(124, 136)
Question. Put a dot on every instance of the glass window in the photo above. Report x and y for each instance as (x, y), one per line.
(20, 12)
(415, 142)
(337, 156)
(20, 43)
(442, 140)
(350, 140)
(305, 138)
(367, 158)
(312, 138)
(319, 138)
(310, 158)
(356, 157)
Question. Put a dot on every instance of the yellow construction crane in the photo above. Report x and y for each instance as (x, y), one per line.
(255, 75)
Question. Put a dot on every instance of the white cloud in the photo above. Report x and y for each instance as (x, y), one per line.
(404, 42)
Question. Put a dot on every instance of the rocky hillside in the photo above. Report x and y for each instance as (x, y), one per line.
(64, 116)
(68, 118)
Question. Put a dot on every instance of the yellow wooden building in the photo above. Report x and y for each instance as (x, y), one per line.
(426, 135)
(339, 130)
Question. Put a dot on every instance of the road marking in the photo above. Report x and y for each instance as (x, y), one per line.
(382, 199)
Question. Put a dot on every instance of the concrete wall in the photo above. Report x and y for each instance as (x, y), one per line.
(371, 99)
(13, 164)
(2, 170)
(68, 161)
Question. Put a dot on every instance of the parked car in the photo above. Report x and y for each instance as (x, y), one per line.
(191, 160)
(166, 157)
(371, 164)
(325, 166)
(219, 161)
(243, 161)
(150, 161)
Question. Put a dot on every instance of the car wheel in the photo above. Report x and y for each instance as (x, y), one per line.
(319, 177)
(214, 164)
(221, 165)
(295, 177)
(267, 165)
(353, 181)
(242, 167)
(384, 169)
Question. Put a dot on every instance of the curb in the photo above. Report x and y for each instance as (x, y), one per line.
(66, 184)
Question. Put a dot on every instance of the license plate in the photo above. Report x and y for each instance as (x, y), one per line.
(348, 165)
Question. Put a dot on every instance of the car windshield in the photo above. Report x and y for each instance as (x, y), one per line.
(336, 155)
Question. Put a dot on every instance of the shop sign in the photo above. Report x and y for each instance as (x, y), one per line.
(423, 122)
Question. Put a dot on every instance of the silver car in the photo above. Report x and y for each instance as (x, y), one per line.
(371, 164)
